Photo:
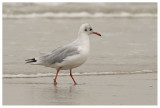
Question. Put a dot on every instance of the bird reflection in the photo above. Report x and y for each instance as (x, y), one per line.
(64, 89)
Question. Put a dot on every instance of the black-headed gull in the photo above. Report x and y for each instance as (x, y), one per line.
(68, 56)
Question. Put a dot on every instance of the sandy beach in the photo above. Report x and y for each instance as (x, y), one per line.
(131, 89)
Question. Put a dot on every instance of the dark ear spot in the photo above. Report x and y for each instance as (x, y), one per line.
(85, 29)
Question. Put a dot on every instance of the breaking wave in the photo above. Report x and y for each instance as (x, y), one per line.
(79, 15)
(79, 10)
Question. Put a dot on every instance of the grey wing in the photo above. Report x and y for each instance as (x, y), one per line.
(58, 55)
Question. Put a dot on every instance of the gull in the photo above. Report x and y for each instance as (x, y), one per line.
(68, 56)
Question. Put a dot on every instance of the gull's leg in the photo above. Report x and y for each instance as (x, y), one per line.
(55, 83)
(72, 77)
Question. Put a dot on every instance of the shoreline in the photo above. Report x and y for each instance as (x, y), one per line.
(75, 74)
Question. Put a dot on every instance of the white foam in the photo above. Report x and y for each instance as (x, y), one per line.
(78, 15)
(75, 74)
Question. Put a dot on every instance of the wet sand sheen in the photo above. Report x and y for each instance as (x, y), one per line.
(134, 89)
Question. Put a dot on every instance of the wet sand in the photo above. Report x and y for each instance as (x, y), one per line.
(128, 89)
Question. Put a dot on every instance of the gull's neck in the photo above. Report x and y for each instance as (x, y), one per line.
(83, 37)
(83, 42)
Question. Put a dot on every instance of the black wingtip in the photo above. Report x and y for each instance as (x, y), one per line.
(30, 60)
(100, 35)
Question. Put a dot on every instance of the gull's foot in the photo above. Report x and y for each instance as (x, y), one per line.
(55, 83)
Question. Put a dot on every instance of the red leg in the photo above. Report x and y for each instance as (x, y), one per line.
(72, 77)
(55, 83)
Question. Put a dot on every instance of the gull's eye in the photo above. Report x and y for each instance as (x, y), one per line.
(85, 29)
(90, 29)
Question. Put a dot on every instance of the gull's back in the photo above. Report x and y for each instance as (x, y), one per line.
(58, 55)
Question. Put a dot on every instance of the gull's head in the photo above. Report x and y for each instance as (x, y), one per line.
(87, 29)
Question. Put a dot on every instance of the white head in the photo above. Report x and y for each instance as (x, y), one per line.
(87, 29)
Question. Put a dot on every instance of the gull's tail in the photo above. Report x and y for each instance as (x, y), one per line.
(31, 60)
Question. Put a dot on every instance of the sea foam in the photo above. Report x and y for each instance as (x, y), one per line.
(79, 15)
(75, 74)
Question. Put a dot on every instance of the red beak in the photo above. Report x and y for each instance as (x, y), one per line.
(97, 33)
